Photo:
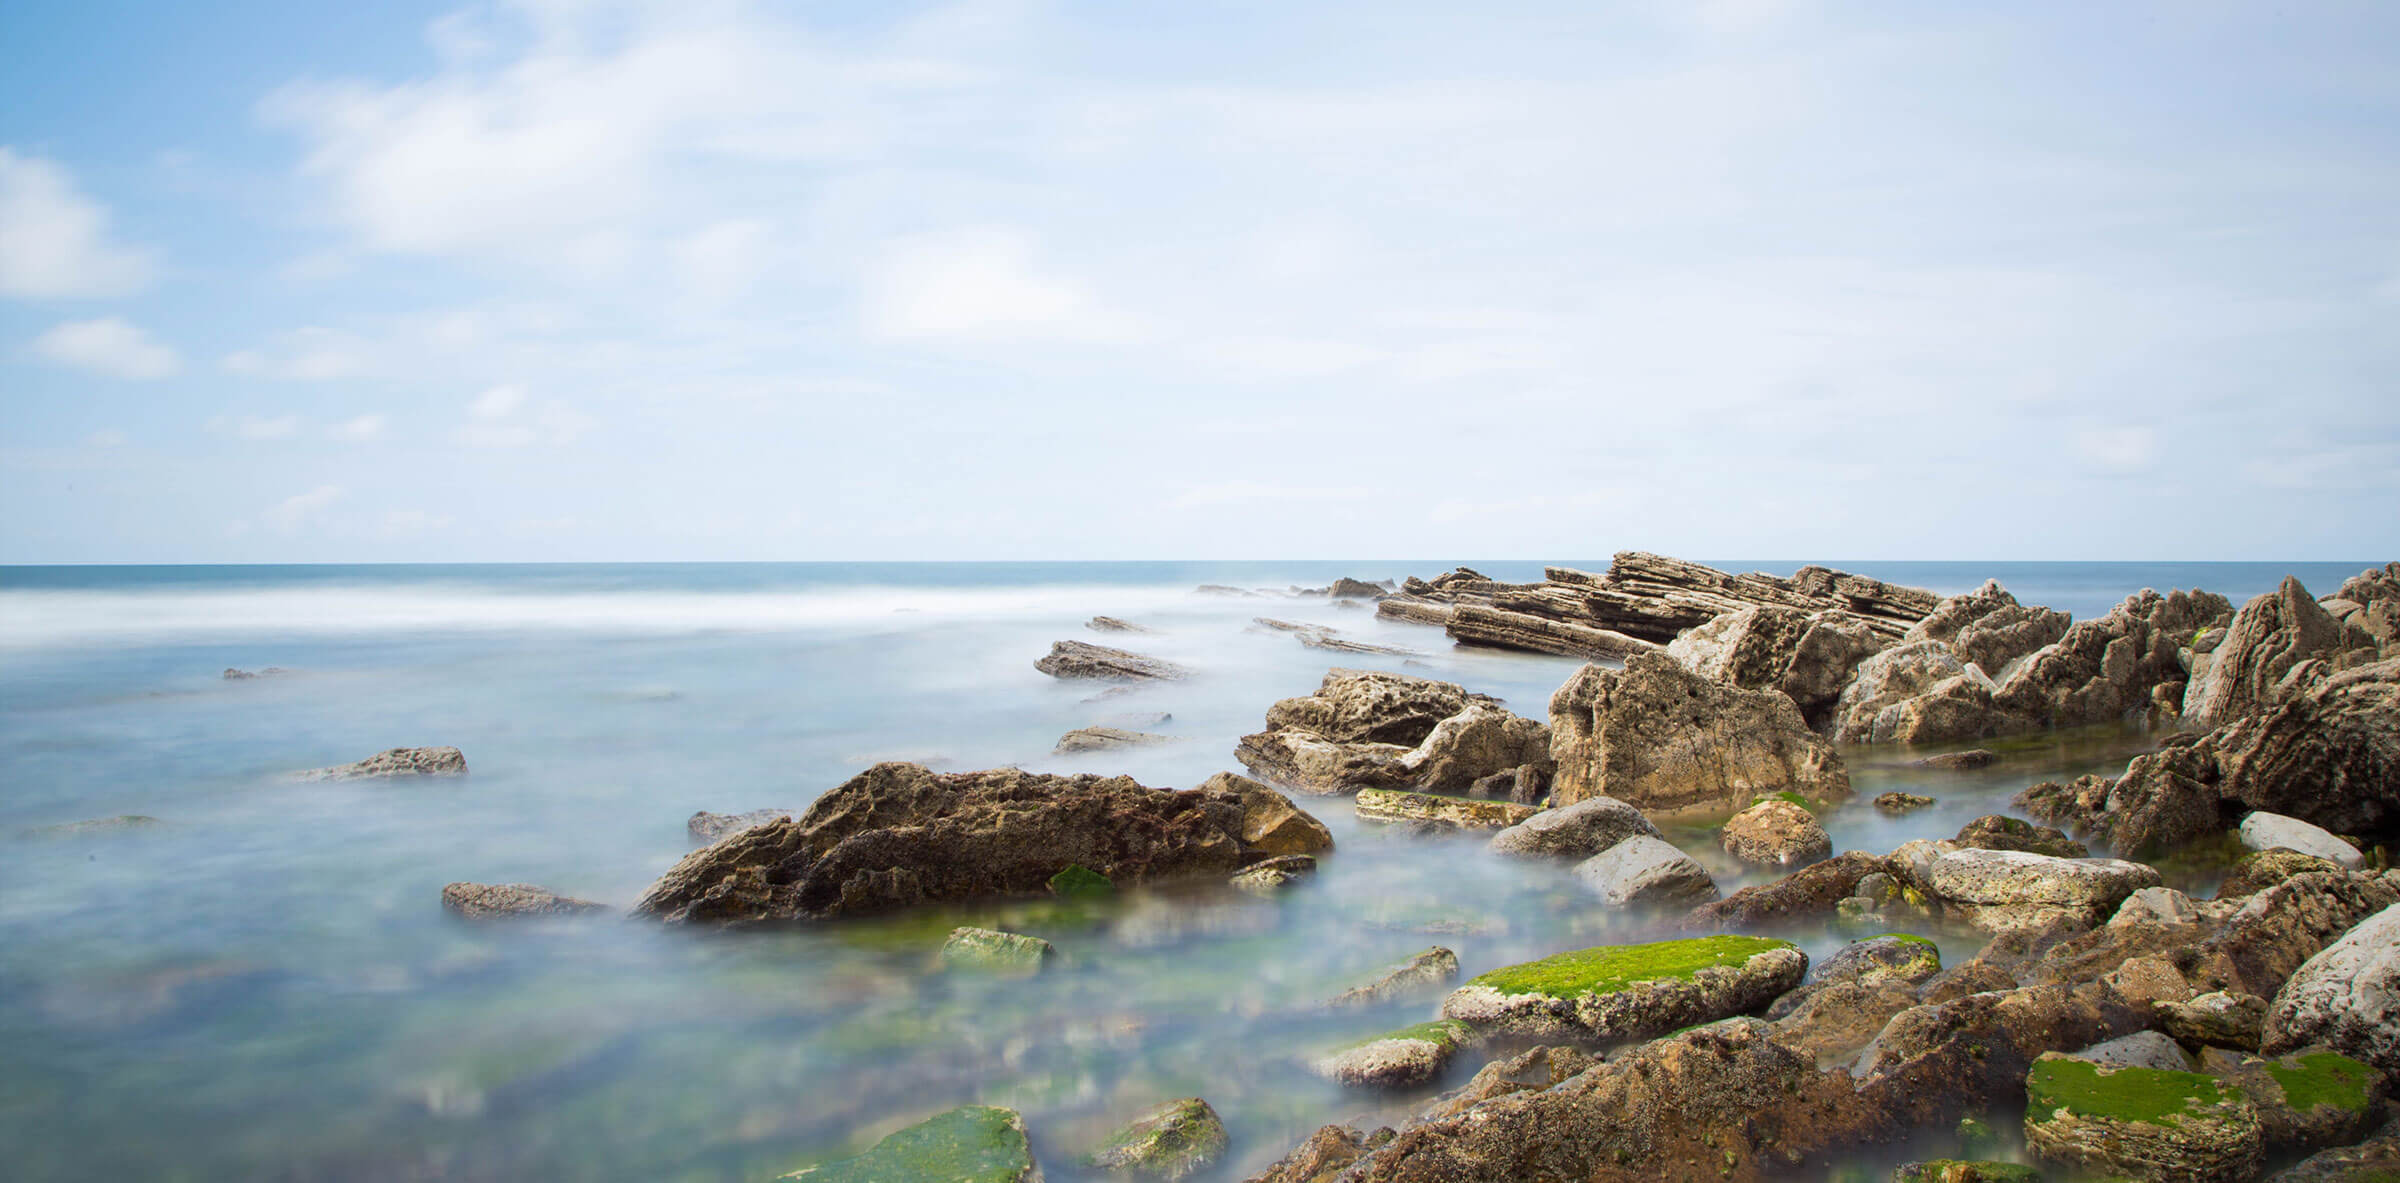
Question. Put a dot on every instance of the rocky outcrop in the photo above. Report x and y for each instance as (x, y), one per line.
(1365, 729)
(1174, 1141)
(898, 834)
(1629, 991)
(1366, 706)
(2347, 997)
(1576, 831)
(1464, 813)
(481, 901)
(2329, 756)
(1079, 659)
(1415, 611)
(1988, 628)
(1300, 760)
(1479, 741)
(1775, 833)
(2261, 869)
(1807, 656)
(1493, 628)
(1918, 693)
(2304, 1101)
(2105, 670)
(1423, 973)
(2272, 634)
(1659, 737)
(978, 1142)
(1110, 624)
(395, 762)
(2278, 929)
(2143, 1123)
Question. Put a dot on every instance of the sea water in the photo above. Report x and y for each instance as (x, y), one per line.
(265, 985)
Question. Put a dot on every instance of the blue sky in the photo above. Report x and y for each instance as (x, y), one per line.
(610, 279)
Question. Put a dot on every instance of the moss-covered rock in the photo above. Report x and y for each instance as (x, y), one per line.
(1952, 1170)
(1465, 813)
(989, 951)
(1897, 956)
(1169, 1142)
(1079, 882)
(1396, 1059)
(972, 1144)
(2305, 1101)
(1630, 991)
(2144, 1123)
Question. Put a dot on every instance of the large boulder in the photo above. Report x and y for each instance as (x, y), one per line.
(1775, 833)
(2278, 929)
(2261, 830)
(2330, 756)
(1629, 991)
(1081, 659)
(1646, 872)
(1363, 728)
(898, 834)
(1271, 823)
(1886, 681)
(1810, 893)
(974, 1144)
(2005, 888)
(2307, 1100)
(1807, 656)
(2347, 997)
(1311, 763)
(1998, 831)
(2143, 1123)
(394, 762)
(1365, 706)
(1479, 741)
(1659, 737)
(1576, 831)
(2270, 635)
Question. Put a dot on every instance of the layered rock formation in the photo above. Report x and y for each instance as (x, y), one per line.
(1659, 737)
(1364, 729)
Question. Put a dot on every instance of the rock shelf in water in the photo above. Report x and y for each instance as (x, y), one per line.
(1619, 992)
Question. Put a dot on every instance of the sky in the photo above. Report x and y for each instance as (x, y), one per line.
(1005, 279)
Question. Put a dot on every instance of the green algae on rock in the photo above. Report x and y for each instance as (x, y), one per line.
(1465, 813)
(1952, 1170)
(990, 951)
(1396, 1059)
(971, 1144)
(1630, 991)
(1170, 1142)
(2307, 1100)
(1081, 882)
(2145, 1123)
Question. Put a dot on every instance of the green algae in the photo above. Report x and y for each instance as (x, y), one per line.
(971, 1144)
(1440, 1032)
(986, 950)
(2322, 1078)
(1953, 1170)
(1081, 882)
(1788, 797)
(1610, 968)
(1169, 1142)
(2149, 1096)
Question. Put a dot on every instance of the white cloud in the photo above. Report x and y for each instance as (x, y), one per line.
(303, 509)
(2117, 449)
(985, 285)
(360, 429)
(305, 355)
(54, 241)
(717, 265)
(500, 418)
(108, 346)
(499, 402)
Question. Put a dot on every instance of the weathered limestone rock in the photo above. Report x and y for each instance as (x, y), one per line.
(1960, 761)
(1494, 628)
(2259, 870)
(1576, 831)
(974, 1144)
(709, 827)
(1347, 588)
(1466, 813)
(2142, 1049)
(2272, 633)
(898, 834)
(986, 950)
(1629, 991)
(2347, 997)
(484, 900)
(1107, 739)
(1525, 784)
(1397, 1059)
(1808, 893)
(1775, 833)
(2104, 670)
(1896, 802)
(1885, 681)
(395, 762)
(2304, 1101)
(2140, 1122)
(2010, 877)
(2261, 830)
(2000, 832)
(1988, 627)
(1271, 876)
(1353, 731)
(1078, 659)
(1320, 1158)
(1809, 657)
(2216, 1019)
(1271, 824)
(2330, 756)
(1645, 871)
(1479, 741)
(1110, 624)
(1892, 957)
(1658, 736)
(2156, 905)
(2280, 928)
(1425, 972)
(1414, 610)
(1173, 1141)
(1304, 761)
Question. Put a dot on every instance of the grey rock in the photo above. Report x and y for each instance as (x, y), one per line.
(1645, 871)
(395, 762)
(2347, 997)
(2261, 830)
(1078, 659)
(1107, 739)
(1424, 973)
(2272, 634)
(2142, 1049)
(709, 827)
(1576, 831)
(1657, 736)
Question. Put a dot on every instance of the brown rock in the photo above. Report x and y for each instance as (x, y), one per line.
(1658, 736)
(2001, 832)
(1078, 659)
(2272, 633)
(1775, 833)
(483, 901)
(2283, 926)
(395, 762)
(1806, 893)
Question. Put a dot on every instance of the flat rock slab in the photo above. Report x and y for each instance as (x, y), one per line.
(1618, 992)
(1466, 813)
(973, 1144)
(1081, 659)
(2145, 1123)
(1396, 1059)
(394, 762)
(486, 900)
(2269, 831)
(1646, 871)
(2021, 877)
(1576, 831)
(1104, 739)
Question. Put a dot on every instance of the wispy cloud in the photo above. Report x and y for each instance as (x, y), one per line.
(55, 242)
(110, 347)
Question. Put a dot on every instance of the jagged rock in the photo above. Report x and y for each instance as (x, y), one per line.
(1629, 991)
(1106, 739)
(2281, 927)
(1885, 681)
(1480, 740)
(2165, 799)
(976, 1143)
(395, 762)
(1353, 731)
(1645, 871)
(1494, 628)
(1964, 1052)
(898, 834)
(2304, 1101)
(1576, 831)
(1396, 1059)
(1535, 1068)
(1271, 824)
(1415, 611)
(1173, 1141)
(1809, 657)
(1658, 736)
(2142, 1049)
(2000, 832)
(2259, 870)
(1110, 624)
(485, 900)
(2073, 805)
(2218, 1018)
(2261, 830)
(1319, 1159)
(709, 827)
(1425, 972)
(1775, 833)
(1302, 760)
(1809, 892)
(2272, 633)
(1831, 1022)
(2104, 670)
(1960, 761)
(1988, 627)
(2330, 756)
(2140, 1122)
(1896, 802)
(2156, 905)
(1525, 784)
(2347, 996)
(1078, 659)
(988, 950)
(1271, 876)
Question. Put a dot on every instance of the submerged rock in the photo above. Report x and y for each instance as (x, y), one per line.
(1079, 659)
(98, 825)
(1465, 813)
(1107, 739)
(2347, 996)
(2145, 1123)
(1896, 802)
(1424, 973)
(1110, 624)
(1961, 761)
(394, 762)
(1645, 871)
(973, 1144)
(1177, 1139)
(1952, 1170)
(1396, 1059)
(1657, 736)
(1775, 833)
(1271, 824)
(1272, 876)
(1812, 892)
(485, 900)
(709, 827)
(1576, 831)
(987, 950)
(1619, 992)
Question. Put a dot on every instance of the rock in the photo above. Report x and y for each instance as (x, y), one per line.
(1993, 877)
(1534, 1069)
(2148, 981)
(1479, 741)
(2270, 635)
(2347, 997)
(234, 675)
(1619, 992)
(2268, 831)
(484, 900)
(1830, 1022)
(1495, 628)
(2304, 1101)
(2001, 832)
(1396, 1059)
(2156, 905)
(1104, 739)
(897, 835)
(1395, 805)
(2376, 1160)
(1425, 972)
(1304, 761)
(1808, 893)
(1414, 611)
(1952, 1170)
(2142, 1049)
(1526, 784)
(1078, 659)
(2105, 670)
(2329, 756)
(1355, 589)
(1899, 803)
(1272, 876)
(1110, 624)
(2166, 799)
(1876, 705)
(1658, 736)
(98, 825)
(2215, 1019)
(1320, 1158)
(1576, 831)
(1331, 639)
(709, 827)
(973, 1144)
(986, 950)
(394, 762)
(1808, 657)
(1894, 957)
(1219, 589)
(1271, 824)
(1079, 882)
(1989, 627)
(1353, 731)
(1961, 761)
(1173, 1141)
(1645, 871)
(1775, 833)
(2140, 1122)
(2259, 870)
(2281, 927)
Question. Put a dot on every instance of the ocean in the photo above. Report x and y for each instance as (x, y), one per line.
(264, 985)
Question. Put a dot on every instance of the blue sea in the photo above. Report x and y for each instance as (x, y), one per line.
(265, 986)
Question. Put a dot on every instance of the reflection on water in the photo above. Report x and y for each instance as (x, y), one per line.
(266, 987)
